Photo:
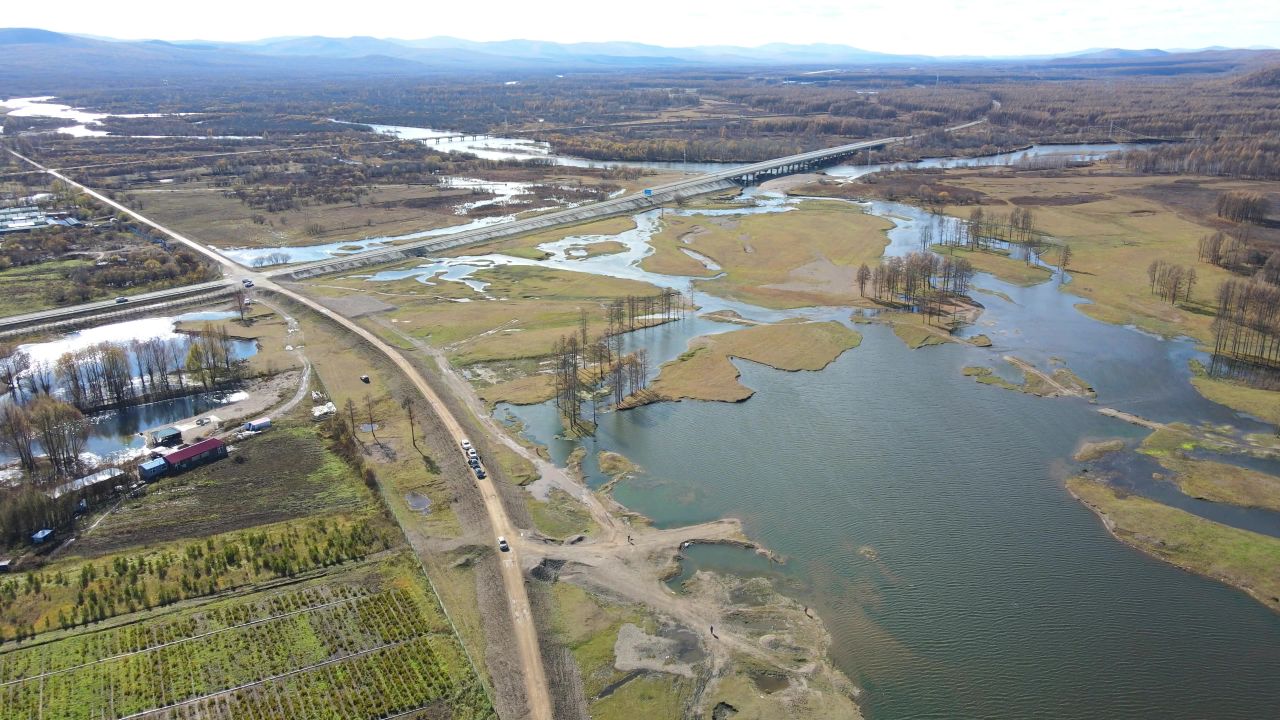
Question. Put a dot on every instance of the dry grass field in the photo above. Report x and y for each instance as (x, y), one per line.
(807, 256)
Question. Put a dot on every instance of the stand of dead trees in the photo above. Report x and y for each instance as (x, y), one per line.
(587, 368)
(1172, 283)
(1242, 206)
(924, 282)
(1246, 331)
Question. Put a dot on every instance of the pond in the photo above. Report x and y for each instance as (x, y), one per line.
(115, 432)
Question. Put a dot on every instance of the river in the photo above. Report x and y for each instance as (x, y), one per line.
(923, 515)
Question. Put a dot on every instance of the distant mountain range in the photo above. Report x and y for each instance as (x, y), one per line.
(30, 56)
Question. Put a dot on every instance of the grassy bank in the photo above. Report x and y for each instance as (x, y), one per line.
(914, 329)
(705, 372)
(1245, 560)
(1262, 404)
(807, 256)
(534, 307)
(1116, 226)
(1209, 479)
(528, 390)
(1224, 483)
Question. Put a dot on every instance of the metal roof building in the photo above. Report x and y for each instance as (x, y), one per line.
(197, 454)
(167, 436)
(87, 481)
(152, 469)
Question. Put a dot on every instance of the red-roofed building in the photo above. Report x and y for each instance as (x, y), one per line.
(197, 454)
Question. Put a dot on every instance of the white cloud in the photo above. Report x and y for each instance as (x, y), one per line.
(936, 27)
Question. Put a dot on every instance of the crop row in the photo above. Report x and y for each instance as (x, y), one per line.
(95, 646)
(388, 681)
(175, 673)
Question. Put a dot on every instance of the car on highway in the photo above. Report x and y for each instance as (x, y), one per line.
(502, 544)
(122, 300)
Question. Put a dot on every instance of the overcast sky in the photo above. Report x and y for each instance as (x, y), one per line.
(934, 27)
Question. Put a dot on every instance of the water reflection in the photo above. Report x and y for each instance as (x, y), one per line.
(115, 432)
(924, 516)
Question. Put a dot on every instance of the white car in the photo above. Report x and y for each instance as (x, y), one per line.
(466, 445)
(502, 544)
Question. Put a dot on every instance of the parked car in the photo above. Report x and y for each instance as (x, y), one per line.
(364, 379)
(466, 445)
(502, 544)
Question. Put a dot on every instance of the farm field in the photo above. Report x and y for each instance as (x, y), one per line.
(208, 214)
(370, 641)
(280, 475)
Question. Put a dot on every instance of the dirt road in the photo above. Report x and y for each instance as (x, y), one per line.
(535, 679)
(557, 477)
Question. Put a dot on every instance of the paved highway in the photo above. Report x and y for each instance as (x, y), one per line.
(14, 323)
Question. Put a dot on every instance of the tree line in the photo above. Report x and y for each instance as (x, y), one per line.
(109, 375)
(596, 368)
(1171, 282)
(1246, 331)
(1256, 158)
(921, 280)
(1243, 206)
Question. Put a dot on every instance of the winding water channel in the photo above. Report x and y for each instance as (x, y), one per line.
(924, 517)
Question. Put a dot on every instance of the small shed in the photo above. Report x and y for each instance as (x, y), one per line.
(197, 454)
(87, 481)
(258, 425)
(41, 536)
(166, 437)
(152, 469)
